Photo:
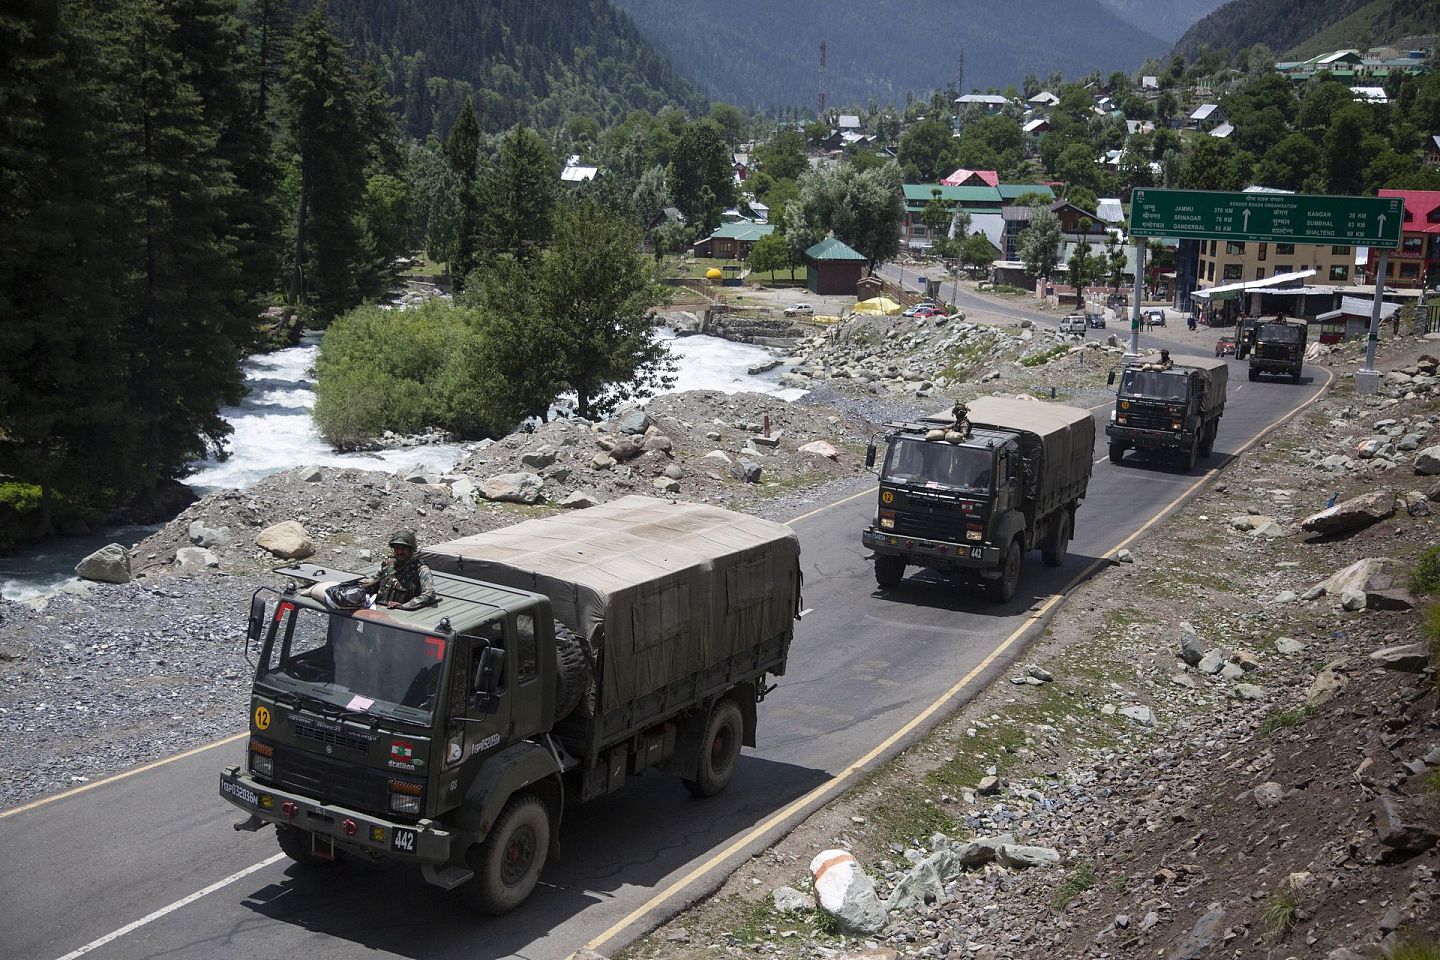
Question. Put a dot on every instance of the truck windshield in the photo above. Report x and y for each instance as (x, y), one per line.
(935, 464)
(1155, 384)
(1280, 332)
(353, 663)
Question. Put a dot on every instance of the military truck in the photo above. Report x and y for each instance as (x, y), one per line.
(564, 655)
(1278, 346)
(971, 495)
(1173, 411)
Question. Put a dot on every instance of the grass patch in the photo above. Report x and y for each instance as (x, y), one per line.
(1280, 913)
(1076, 882)
(1045, 356)
(1425, 575)
(1416, 950)
(1285, 719)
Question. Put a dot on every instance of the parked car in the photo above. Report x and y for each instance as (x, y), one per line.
(1096, 320)
(1225, 346)
(1073, 323)
(1156, 318)
(925, 312)
(799, 309)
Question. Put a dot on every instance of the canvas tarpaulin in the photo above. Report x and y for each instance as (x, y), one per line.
(661, 589)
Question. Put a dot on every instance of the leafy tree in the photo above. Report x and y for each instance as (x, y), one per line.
(1135, 171)
(462, 153)
(518, 196)
(1345, 150)
(1039, 247)
(782, 157)
(861, 208)
(702, 180)
(650, 198)
(926, 152)
(1083, 269)
(978, 252)
(434, 201)
(729, 120)
(1076, 164)
(1211, 164)
(937, 213)
(1115, 260)
(771, 253)
(1294, 163)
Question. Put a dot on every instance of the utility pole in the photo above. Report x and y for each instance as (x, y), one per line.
(821, 97)
(959, 85)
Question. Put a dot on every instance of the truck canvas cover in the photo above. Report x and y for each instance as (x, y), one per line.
(660, 589)
(1219, 376)
(1062, 437)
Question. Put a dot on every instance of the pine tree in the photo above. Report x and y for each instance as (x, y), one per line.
(518, 195)
(462, 152)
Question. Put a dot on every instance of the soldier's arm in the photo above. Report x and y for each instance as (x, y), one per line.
(426, 596)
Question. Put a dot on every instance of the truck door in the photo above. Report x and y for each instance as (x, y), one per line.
(529, 704)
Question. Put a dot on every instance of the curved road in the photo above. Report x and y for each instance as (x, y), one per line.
(147, 866)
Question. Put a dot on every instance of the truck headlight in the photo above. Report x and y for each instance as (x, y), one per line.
(887, 520)
(1121, 420)
(405, 797)
(974, 534)
(1175, 426)
(262, 759)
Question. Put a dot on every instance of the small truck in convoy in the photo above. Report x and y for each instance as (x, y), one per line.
(1278, 346)
(563, 655)
(971, 492)
(1174, 411)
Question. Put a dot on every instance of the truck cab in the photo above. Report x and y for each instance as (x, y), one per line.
(1278, 347)
(1173, 410)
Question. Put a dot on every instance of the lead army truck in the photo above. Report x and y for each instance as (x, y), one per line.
(563, 656)
(973, 501)
(1278, 346)
(1173, 411)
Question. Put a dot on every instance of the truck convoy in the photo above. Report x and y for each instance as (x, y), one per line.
(564, 655)
(1174, 411)
(1277, 346)
(973, 491)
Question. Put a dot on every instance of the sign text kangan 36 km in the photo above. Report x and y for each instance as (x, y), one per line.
(1267, 217)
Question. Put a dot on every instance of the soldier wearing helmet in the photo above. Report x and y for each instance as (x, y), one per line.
(402, 582)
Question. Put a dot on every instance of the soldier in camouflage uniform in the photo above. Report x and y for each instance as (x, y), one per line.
(403, 583)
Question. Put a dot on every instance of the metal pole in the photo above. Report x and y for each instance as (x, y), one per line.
(1367, 380)
(1139, 288)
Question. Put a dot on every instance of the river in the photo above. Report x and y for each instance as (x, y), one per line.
(273, 431)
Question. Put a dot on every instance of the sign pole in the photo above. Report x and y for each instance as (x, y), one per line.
(1367, 380)
(1134, 353)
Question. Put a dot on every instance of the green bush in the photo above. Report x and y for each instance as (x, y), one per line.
(1425, 575)
(1036, 359)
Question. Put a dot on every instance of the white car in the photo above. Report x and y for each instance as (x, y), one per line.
(799, 309)
(1074, 323)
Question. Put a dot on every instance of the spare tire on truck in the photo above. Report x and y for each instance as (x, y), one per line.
(572, 671)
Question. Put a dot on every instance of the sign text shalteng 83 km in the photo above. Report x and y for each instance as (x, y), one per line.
(1267, 217)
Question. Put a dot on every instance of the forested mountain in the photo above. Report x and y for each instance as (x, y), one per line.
(522, 60)
(1284, 25)
(1166, 19)
(766, 52)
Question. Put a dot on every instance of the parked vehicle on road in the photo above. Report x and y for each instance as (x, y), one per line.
(1095, 320)
(563, 656)
(1174, 411)
(1278, 347)
(926, 311)
(1074, 323)
(1225, 346)
(799, 309)
(972, 496)
(1156, 318)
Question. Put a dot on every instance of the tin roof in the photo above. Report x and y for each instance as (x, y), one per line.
(832, 249)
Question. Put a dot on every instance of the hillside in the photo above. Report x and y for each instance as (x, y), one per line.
(534, 62)
(1376, 23)
(1279, 24)
(1166, 19)
(766, 52)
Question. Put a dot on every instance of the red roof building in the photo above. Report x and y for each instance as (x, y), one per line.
(1419, 253)
(972, 178)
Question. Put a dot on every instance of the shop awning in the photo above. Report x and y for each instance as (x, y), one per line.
(1230, 291)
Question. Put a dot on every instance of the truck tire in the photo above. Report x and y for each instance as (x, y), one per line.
(572, 672)
(1207, 438)
(1117, 451)
(1058, 544)
(889, 571)
(1254, 375)
(719, 750)
(1295, 377)
(1003, 589)
(296, 845)
(507, 863)
(1191, 456)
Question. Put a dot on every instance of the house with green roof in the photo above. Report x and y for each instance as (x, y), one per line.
(833, 267)
(978, 201)
(732, 241)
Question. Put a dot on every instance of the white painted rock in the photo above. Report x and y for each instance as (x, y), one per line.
(287, 540)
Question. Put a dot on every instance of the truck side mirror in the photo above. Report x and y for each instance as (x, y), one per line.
(1110, 379)
(255, 627)
(488, 673)
(870, 454)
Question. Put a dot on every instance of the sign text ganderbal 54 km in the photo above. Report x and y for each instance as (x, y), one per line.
(1267, 217)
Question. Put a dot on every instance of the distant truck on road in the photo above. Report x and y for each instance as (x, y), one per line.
(563, 655)
(973, 496)
(1173, 411)
(1278, 346)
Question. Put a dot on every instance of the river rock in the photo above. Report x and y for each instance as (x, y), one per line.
(1327, 684)
(1192, 650)
(790, 900)
(845, 891)
(632, 421)
(287, 540)
(539, 458)
(513, 488)
(1350, 515)
(463, 489)
(1427, 461)
(746, 471)
(821, 448)
(1408, 658)
(203, 536)
(578, 500)
(109, 564)
(1402, 825)
(194, 561)
(1022, 857)
(666, 485)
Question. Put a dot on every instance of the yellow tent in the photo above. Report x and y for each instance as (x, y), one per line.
(878, 305)
(713, 273)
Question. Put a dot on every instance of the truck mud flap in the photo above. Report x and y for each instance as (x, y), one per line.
(250, 824)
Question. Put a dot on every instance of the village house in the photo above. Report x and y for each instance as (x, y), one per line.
(831, 268)
(1418, 259)
(733, 241)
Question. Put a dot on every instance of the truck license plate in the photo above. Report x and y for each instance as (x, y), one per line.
(977, 552)
(402, 840)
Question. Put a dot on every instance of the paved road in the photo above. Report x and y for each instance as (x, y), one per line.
(864, 664)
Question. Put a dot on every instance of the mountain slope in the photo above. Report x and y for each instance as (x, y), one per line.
(766, 52)
(1378, 22)
(536, 62)
(1166, 19)
(1279, 24)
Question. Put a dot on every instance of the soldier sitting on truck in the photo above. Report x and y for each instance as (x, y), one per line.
(1164, 363)
(403, 583)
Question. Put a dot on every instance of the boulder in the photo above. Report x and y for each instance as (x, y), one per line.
(1248, 691)
(1288, 645)
(463, 489)
(720, 455)
(632, 421)
(746, 471)
(1141, 715)
(821, 448)
(513, 488)
(1408, 658)
(1022, 857)
(674, 471)
(602, 461)
(666, 485)
(1404, 825)
(1327, 684)
(845, 891)
(1212, 662)
(311, 474)
(109, 564)
(625, 449)
(921, 885)
(1366, 575)
(287, 540)
(203, 536)
(1268, 794)
(1351, 515)
(790, 900)
(194, 561)
(1427, 461)
(1197, 943)
(1192, 650)
(1270, 530)
(658, 442)
(578, 500)
(539, 458)
(1417, 504)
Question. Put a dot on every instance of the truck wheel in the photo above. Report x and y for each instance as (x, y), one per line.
(572, 673)
(1003, 589)
(889, 571)
(507, 863)
(1192, 456)
(1254, 375)
(296, 845)
(1207, 438)
(1117, 451)
(1295, 377)
(1059, 544)
(719, 750)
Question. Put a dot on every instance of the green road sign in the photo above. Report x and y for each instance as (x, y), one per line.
(1267, 217)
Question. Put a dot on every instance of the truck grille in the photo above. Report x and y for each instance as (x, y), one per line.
(930, 526)
(1148, 418)
(1276, 351)
(334, 738)
(330, 781)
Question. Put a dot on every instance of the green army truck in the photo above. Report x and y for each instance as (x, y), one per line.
(971, 497)
(563, 656)
(1278, 346)
(1174, 411)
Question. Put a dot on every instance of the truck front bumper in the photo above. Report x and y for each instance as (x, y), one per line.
(1266, 365)
(933, 553)
(1143, 439)
(361, 832)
